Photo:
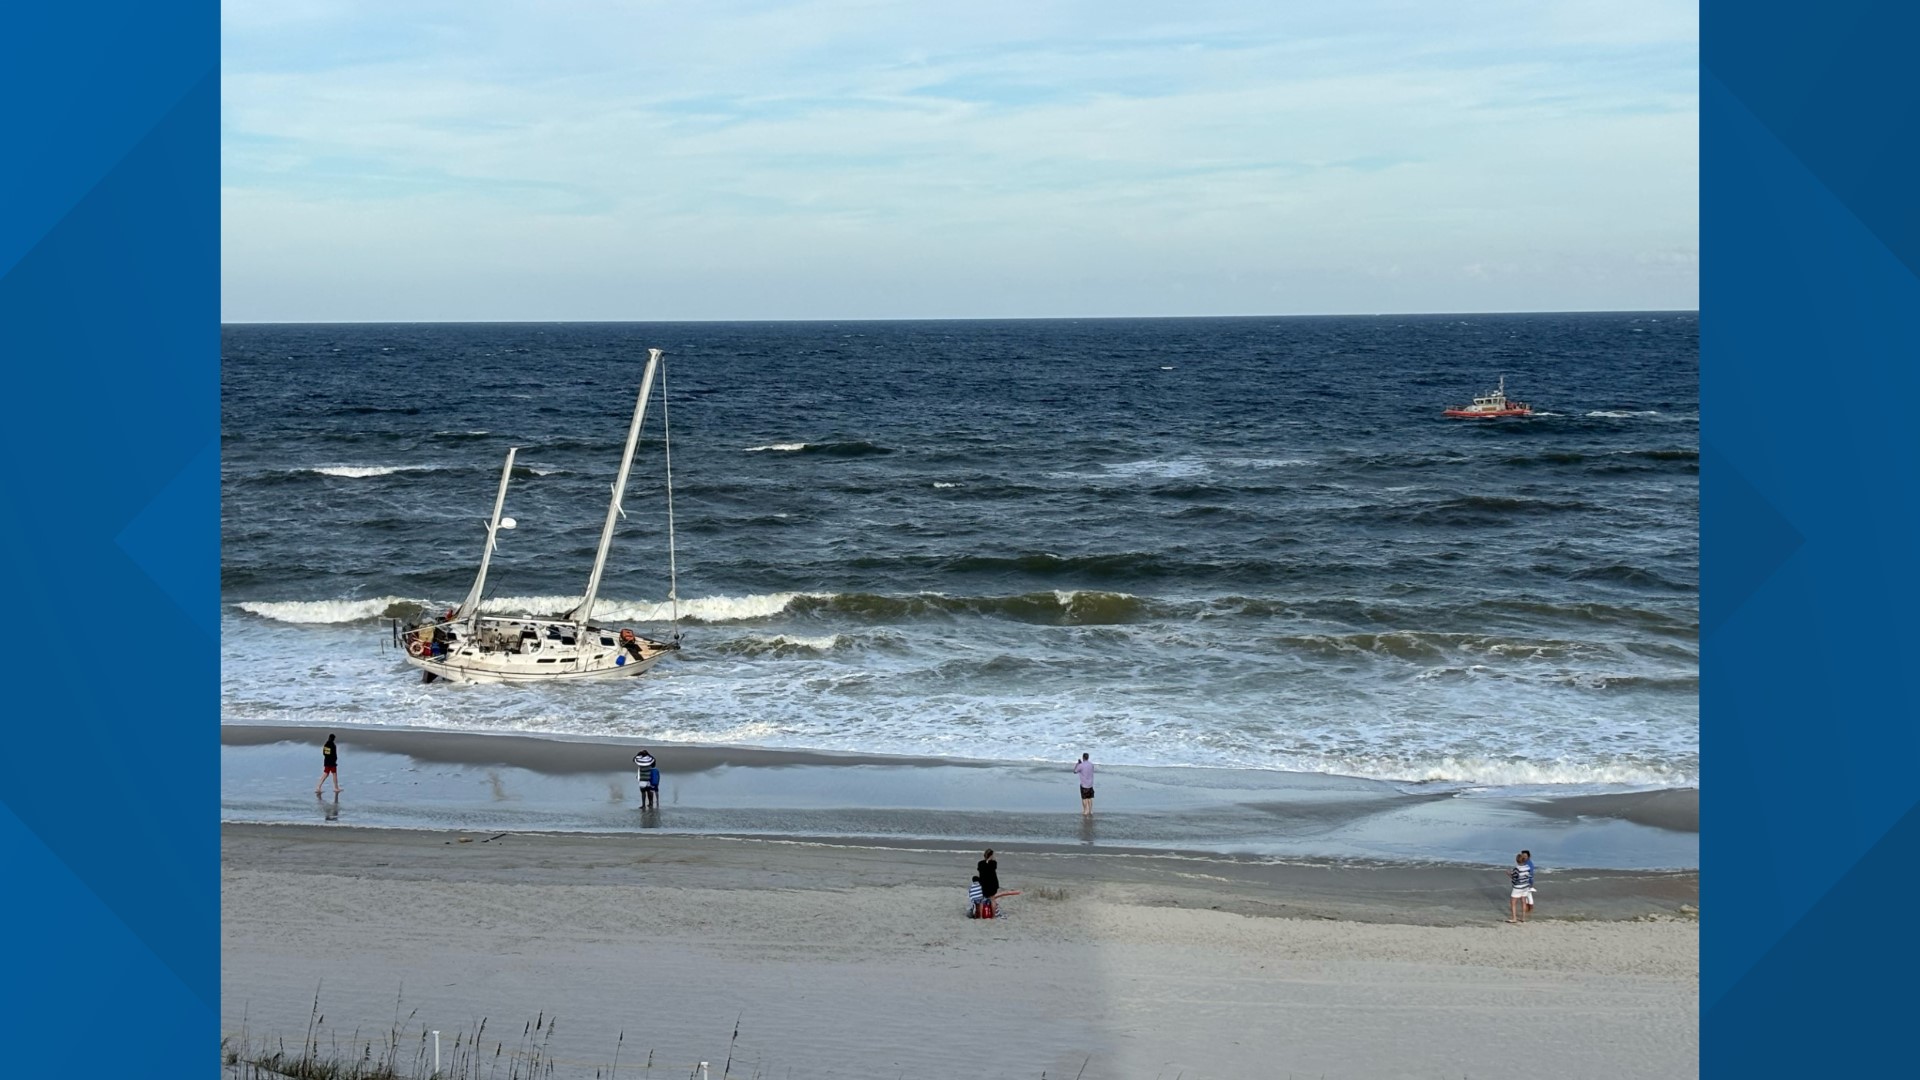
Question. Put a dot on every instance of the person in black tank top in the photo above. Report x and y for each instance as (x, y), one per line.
(989, 870)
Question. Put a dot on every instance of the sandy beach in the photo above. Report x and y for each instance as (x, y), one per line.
(854, 959)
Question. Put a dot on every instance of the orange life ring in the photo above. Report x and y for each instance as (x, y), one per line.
(416, 648)
(626, 635)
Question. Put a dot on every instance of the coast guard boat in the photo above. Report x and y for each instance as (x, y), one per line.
(1493, 403)
(468, 647)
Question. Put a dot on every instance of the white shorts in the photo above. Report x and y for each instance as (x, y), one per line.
(1523, 894)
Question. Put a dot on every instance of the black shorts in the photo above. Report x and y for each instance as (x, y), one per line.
(1086, 793)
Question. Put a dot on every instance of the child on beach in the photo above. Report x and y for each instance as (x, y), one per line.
(1521, 900)
(649, 775)
(329, 766)
(1531, 879)
(976, 899)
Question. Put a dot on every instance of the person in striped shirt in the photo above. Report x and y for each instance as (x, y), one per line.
(976, 898)
(1521, 876)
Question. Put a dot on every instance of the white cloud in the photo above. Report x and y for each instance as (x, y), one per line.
(872, 160)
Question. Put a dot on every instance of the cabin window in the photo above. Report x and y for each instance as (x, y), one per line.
(606, 641)
(548, 660)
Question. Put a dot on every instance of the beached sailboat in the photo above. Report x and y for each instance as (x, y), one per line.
(466, 646)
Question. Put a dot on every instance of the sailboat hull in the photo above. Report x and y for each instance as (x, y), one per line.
(454, 671)
(497, 650)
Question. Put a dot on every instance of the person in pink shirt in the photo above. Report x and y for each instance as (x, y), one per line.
(1084, 770)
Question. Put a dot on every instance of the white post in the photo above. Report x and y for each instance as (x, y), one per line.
(703, 1071)
(436, 1053)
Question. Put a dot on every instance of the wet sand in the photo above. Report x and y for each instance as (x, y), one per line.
(1678, 810)
(841, 959)
(411, 778)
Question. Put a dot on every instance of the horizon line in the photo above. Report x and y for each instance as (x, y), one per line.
(955, 318)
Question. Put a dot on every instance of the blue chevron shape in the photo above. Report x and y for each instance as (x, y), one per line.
(1844, 105)
(111, 325)
(1774, 1022)
(75, 964)
(74, 69)
(1767, 539)
(167, 541)
(1802, 669)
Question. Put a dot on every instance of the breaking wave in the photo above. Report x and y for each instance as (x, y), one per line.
(852, 448)
(362, 471)
(1057, 608)
(332, 611)
(782, 645)
(1062, 608)
(1497, 772)
(1428, 647)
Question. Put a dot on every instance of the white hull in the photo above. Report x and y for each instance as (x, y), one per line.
(468, 647)
(506, 650)
(455, 671)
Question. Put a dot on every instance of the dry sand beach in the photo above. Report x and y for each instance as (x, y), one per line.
(850, 956)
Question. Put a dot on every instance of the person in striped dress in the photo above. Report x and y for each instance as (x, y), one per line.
(1521, 899)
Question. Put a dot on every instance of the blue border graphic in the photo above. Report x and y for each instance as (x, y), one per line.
(1810, 337)
(109, 344)
(109, 337)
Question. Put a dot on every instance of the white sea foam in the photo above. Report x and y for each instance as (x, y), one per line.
(1621, 414)
(700, 609)
(1174, 469)
(361, 471)
(944, 484)
(1490, 772)
(1268, 463)
(818, 644)
(785, 447)
(709, 609)
(320, 611)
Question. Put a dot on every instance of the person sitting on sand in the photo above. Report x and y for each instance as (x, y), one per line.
(1521, 876)
(989, 878)
(976, 898)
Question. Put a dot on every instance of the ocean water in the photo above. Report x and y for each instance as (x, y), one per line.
(1249, 543)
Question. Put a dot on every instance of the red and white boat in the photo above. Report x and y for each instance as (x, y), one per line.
(1492, 404)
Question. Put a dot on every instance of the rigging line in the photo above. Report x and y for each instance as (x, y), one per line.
(673, 569)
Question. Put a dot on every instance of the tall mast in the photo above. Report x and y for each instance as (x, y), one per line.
(472, 603)
(584, 612)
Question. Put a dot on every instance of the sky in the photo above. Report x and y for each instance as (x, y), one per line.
(859, 159)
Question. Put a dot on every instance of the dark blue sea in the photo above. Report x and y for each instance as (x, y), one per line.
(1249, 542)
